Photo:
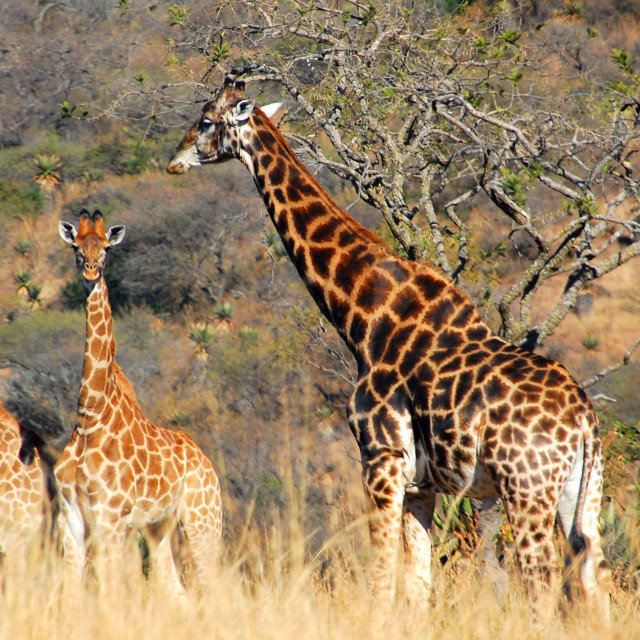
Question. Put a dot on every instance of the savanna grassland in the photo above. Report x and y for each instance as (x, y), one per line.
(221, 340)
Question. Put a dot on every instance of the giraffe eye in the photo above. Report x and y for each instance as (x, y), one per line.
(205, 124)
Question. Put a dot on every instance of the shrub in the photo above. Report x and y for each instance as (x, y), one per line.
(20, 201)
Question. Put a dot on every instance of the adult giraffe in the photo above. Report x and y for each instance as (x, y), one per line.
(441, 404)
(120, 473)
(23, 491)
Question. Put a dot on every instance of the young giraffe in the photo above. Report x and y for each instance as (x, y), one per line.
(23, 491)
(120, 473)
(441, 404)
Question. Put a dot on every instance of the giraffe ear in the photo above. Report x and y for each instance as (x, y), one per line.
(242, 111)
(116, 234)
(270, 110)
(67, 231)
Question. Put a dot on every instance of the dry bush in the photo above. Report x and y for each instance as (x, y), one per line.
(271, 586)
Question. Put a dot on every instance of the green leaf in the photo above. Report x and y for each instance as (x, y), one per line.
(177, 15)
(510, 36)
(514, 77)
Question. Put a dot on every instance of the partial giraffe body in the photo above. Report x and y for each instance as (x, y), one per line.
(441, 404)
(120, 473)
(23, 491)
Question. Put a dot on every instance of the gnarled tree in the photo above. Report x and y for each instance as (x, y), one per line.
(448, 125)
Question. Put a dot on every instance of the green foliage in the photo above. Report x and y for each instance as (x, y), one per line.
(587, 206)
(454, 527)
(223, 311)
(249, 336)
(48, 168)
(218, 52)
(513, 185)
(369, 15)
(20, 201)
(139, 153)
(22, 279)
(514, 76)
(74, 296)
(590, 342)
(454, 6)
(177, 15)
(510, 36)
(23, 246)
(622, 438)
(474, 99)
(68, 110)
(203, 335)
(33, 290)
(323, 412)
(619, 527)
(623, 59)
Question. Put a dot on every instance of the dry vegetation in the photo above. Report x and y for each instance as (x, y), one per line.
(270, 587)
(220, 339)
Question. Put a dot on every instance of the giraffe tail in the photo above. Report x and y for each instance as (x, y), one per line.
(590, 448)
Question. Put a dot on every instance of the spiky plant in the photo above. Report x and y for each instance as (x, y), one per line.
(590, 342)
(33, 294)
(223, 311)
(23, 246)
(202, 335)
(48, 174)
(22, 279)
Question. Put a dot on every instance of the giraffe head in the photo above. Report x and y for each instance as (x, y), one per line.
(215, 137)
(90, 243)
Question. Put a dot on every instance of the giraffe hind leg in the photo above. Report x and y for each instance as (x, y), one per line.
(416, 524)
(532, 523)
(201, 527)
(584, 562)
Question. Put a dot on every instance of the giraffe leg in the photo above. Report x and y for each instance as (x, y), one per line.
(585, 554)
(111, 549)
(416, 525)
(532, 523)
(385, 496)
(70, 530)
(489, 513)
(163, 566)
(201, 524)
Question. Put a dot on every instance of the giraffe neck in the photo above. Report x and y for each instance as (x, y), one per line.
(329, 249)
(99, 381)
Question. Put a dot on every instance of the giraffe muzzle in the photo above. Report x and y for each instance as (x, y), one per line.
(90, 277)
(177, 167)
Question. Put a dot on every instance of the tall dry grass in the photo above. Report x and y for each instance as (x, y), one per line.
(271, 586)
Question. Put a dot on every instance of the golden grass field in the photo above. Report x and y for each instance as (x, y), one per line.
(268, 587)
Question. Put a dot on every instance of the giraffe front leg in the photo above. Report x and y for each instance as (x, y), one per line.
(164, 570)
(70, 530)
(384, 490)
(416, 525)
